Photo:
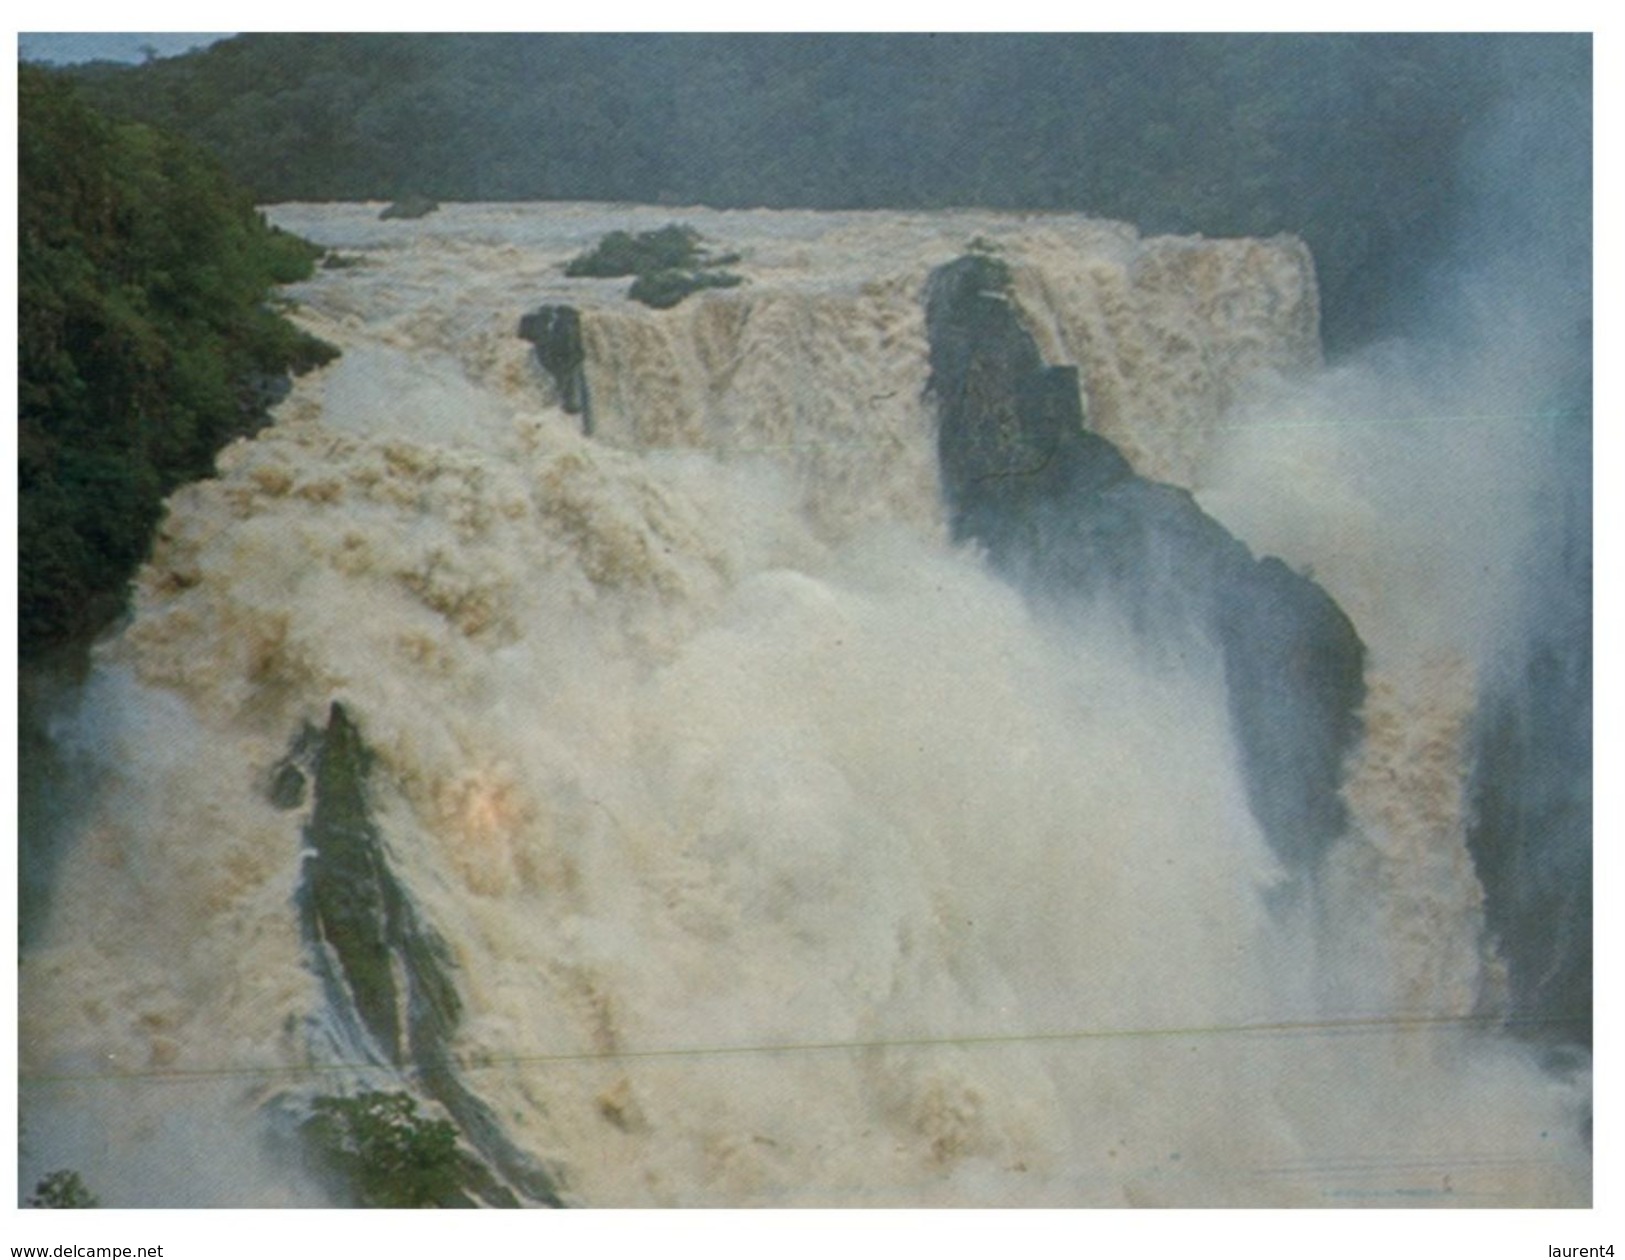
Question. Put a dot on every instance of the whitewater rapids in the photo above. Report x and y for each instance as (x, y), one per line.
(785, 855)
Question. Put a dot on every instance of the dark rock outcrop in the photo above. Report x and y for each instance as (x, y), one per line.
(1531, 829)
(669, 263)
(555, 331)
(354, 903)
(409, 207)
(384, 971)
(663, 290)
(1064, 517)
(1531, 843)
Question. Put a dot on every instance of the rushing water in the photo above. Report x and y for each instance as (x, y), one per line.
(785, 854)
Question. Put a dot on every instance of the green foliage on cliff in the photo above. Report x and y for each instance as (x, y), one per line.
(62, 1189)
(144, 343)
(385, 1153)
(352, 891)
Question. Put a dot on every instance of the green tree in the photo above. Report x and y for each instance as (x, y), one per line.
(386, 1153)
(144, 343)
(62, 1189)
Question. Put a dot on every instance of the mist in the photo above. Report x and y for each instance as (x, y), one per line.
(748, 799)
(1461, 451)
(785, 843)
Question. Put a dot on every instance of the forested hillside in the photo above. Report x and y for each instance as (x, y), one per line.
(144, 343)
(143, 269)
(1352, 142)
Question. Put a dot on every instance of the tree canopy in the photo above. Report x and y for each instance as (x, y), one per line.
(385, 1153)
(1352, 141)
(144, 343)
(63, 1188)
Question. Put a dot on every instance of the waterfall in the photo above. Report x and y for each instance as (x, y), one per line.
(777, 840)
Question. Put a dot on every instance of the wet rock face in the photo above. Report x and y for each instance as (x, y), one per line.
(353, 898)
(555, 331)
(1531, 831)
(1530, 841)
(1066, 519)
(391, 973)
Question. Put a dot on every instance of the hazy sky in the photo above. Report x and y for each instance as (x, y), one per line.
(123, 46)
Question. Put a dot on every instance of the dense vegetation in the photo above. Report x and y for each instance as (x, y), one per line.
(144, 344)
(385, 1154)
(1355, 142)
(62, 1189)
